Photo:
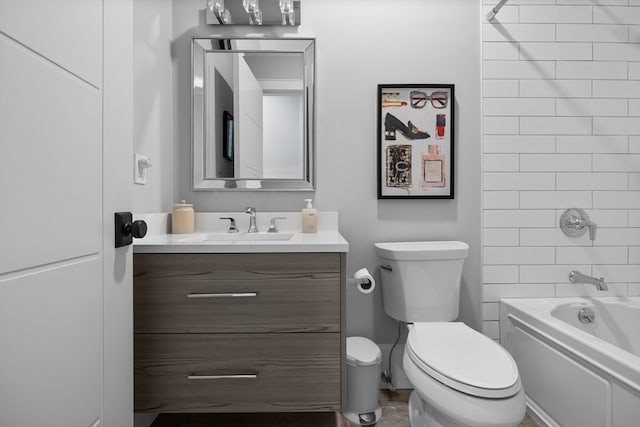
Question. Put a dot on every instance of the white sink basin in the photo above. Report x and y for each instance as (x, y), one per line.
(238, 237)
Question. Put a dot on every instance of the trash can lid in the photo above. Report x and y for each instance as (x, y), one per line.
(362, 351)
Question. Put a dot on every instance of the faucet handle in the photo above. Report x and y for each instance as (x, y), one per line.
(575, 222)
(593, 227)
(232, 224)
(250, 210)
(273, 228)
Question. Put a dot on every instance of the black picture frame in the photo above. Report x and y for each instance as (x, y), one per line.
(415, 132)
(227, 135)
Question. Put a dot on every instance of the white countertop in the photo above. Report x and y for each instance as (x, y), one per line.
(157, 240)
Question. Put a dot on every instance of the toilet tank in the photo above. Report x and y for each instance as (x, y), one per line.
(421, 280)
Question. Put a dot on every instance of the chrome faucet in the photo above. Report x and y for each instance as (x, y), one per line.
(252, 219)
(577, 277)
(232, 224)
(273, 228)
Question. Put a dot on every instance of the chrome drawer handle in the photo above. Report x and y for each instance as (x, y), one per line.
(223, 377)
(223, 295)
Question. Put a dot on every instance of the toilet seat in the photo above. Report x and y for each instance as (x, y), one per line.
(463, 359)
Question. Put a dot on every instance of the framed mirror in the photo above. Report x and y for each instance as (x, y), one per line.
(252, 114)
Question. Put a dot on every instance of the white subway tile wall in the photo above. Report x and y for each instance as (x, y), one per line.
(561, 129)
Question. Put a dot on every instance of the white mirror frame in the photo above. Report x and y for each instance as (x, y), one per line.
(198, 146)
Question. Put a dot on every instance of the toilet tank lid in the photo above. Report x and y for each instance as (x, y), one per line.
(362, 351)
(427, 250)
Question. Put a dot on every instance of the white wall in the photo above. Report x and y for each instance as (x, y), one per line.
(561, 107)
(359, 44)
(283, 153)
(153, 104)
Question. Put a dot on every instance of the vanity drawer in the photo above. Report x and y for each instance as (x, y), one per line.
(229, 293)
(237, 372)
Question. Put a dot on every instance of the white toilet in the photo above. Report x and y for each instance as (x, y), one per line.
(460, 377)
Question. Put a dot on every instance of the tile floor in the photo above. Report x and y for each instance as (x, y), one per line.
(394, 414)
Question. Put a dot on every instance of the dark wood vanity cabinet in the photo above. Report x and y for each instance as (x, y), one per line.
(239, 332)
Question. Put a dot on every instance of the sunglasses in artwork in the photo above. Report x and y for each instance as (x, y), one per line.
(419, 99)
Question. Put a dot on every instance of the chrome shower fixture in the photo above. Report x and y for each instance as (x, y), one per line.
(575, 222)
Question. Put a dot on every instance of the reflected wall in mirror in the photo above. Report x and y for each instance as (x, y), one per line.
(252, 111)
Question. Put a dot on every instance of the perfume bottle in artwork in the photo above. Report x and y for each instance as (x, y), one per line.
(398, 167)
(433, 164)
(441, 120)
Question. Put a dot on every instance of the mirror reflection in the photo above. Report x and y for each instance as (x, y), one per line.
(252, 111)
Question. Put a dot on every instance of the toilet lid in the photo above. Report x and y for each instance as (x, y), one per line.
(463, 359)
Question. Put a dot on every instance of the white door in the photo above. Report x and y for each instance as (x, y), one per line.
(65, 89)
(248, 120)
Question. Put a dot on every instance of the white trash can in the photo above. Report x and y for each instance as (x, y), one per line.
(363, 373)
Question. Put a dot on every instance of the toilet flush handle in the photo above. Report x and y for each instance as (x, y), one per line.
(386, 267)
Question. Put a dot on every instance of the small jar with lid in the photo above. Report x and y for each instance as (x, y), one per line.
(182, 218)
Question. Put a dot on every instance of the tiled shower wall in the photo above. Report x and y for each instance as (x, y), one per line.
(561, 129)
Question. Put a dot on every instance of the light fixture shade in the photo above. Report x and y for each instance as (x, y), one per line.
(257, 17)
(216, 6)
(286, 6)
(250, 6)
(226, 17)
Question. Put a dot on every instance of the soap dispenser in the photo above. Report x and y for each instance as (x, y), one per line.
(309, 218)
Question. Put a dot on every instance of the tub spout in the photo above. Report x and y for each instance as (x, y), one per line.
(577, 277)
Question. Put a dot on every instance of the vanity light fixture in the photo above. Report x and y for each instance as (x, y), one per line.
(253, 12)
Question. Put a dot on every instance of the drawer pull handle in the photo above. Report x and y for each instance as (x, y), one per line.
(223, 295)
(223, 377)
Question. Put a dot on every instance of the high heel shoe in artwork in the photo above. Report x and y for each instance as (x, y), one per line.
(409, 131)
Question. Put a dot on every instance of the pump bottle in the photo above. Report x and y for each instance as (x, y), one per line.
(309, 218)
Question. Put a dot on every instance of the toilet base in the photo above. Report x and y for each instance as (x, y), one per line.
(417, 416)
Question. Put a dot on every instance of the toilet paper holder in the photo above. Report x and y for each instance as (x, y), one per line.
(364, 282)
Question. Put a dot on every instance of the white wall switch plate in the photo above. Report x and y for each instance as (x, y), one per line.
(140, 165)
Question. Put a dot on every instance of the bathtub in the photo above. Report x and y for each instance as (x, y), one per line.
(576, 374)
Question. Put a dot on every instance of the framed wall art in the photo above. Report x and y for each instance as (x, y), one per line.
(415, 141)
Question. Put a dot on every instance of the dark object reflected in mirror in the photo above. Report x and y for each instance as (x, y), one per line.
(227, 135)
(253, 114)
